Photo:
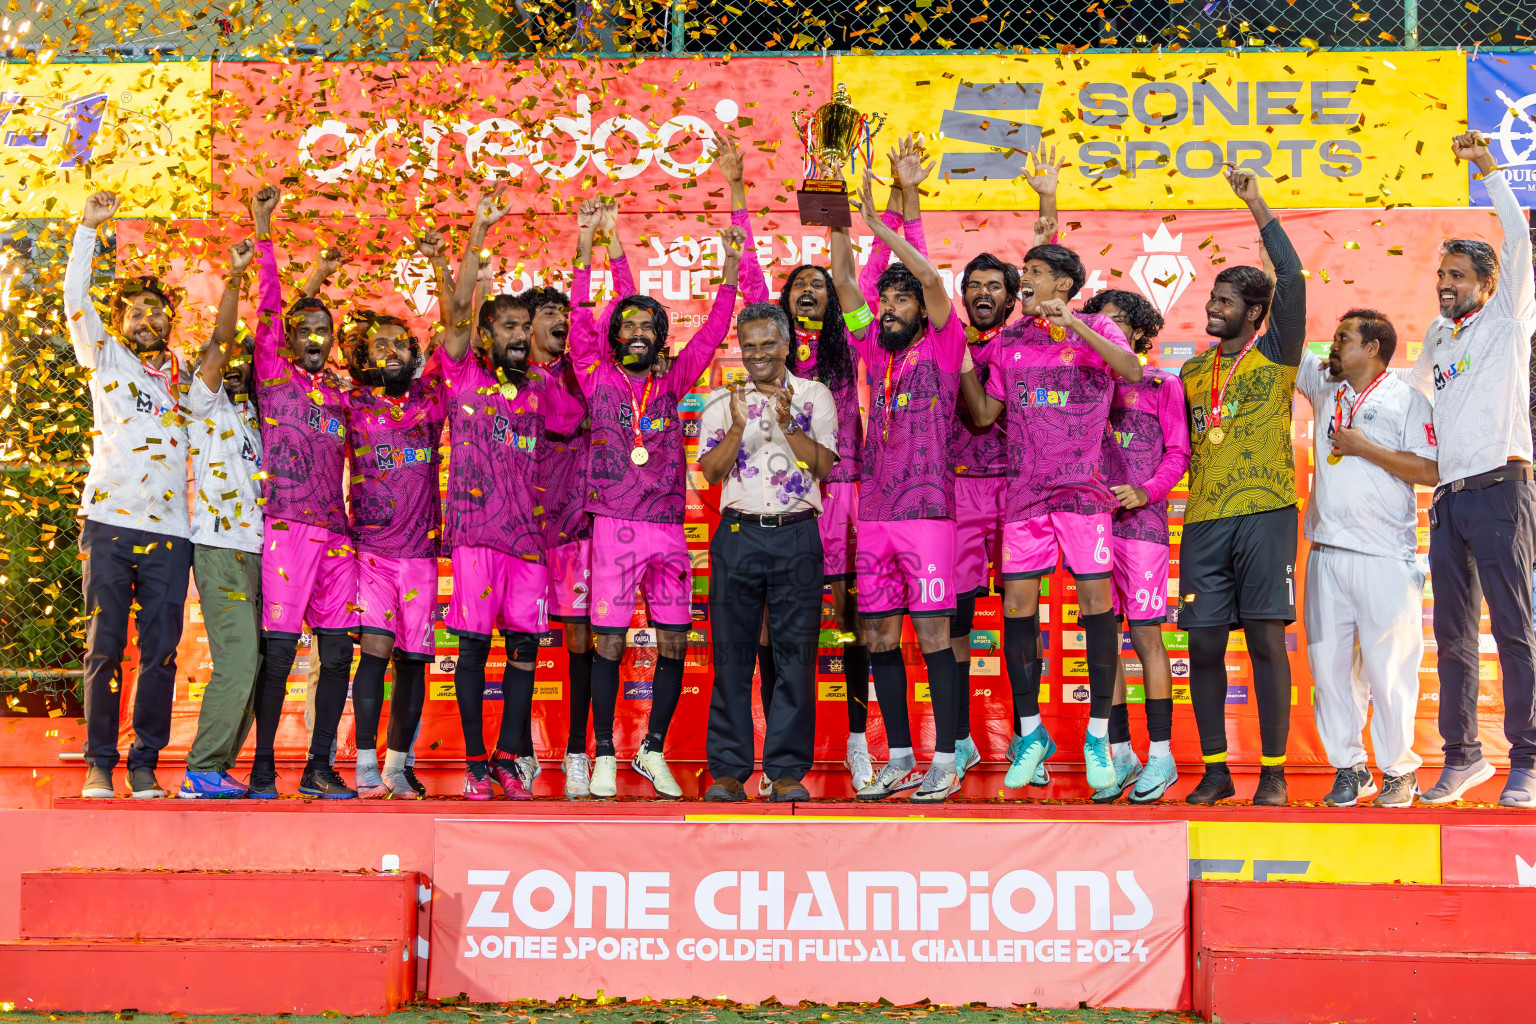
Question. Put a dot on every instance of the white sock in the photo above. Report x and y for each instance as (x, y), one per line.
(946, 761)
(858, 742)
(1028, 724)
(394, 760)
(367, 759)
(1098, 727)
(1119, 749)
(1158, 748)
(902, 757)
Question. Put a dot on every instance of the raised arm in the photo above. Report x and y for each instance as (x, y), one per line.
(326, 264)
(1043, 179)
(1286, 338)
(728, 161)
(216, 354)
(86, 331)
(270, 364)
(700, 349)
(433, 247)
(935, 294)
(458, 318)
(1516, 293)
(585, 342)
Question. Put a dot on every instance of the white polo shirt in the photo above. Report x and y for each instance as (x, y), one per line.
(1479, 377)
(138, 474)
(767, 479)
(225, 437)
(1356, 505)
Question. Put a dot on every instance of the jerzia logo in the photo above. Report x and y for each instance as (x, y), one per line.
(981, 115)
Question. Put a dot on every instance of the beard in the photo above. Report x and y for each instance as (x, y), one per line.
(147, 339)
(394, 382)
(894, 338)
(1227, 331)
(638, 363)
(513, 364)
(1462, 305)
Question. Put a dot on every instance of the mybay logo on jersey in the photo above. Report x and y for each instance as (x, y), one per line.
(327, 424)
(390, 457)
(1030, 397)
(1444, 375)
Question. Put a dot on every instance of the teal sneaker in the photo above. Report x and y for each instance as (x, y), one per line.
(1156, 777)
(1127, 768)
(966, 758)
(1097, 764)
(1034, 750)
(1042, 774)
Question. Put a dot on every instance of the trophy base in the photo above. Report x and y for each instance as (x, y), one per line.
(824, 203)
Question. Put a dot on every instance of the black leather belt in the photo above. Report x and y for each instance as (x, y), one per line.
(769, 522)
(1516, 470)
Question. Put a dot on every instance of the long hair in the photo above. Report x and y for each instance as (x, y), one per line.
(659, 322)
(834, 356)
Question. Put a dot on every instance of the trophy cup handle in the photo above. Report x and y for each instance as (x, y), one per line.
(879, 122)
(797, 117)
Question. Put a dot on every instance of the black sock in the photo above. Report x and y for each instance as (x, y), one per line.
(525, 745)
(335, 652)
(468, 690)
(368, 698)
(941, 693)
(1101, 633)
(580, 701)
(666, 691)
(767, 674)
(1208, 688)
(1271, 685)
(960, 625)
(406, 702)
(1119, 724)
(1160, 718)
(605, 698)
(891, 692)
(516, 707)
(1021, 645)
(281, 652)
(856, 678)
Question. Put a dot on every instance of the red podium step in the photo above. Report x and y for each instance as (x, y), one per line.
(1295, 953)
(214, 942)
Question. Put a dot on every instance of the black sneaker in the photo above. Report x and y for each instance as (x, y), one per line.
(1398, 790)
(410, 776)
(322, 780)
(1271, 791)
(1215, 785)
(143, 784)
(263, 781)
(1350, 787)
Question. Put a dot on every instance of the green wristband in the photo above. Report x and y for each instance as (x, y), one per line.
(859, 318)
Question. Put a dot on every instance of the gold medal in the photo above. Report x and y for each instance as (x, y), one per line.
(1058, 332)
(316, 397)
(639, 456)
(1335, 458)
(508, 391)
(803, 353)
(169, 418)
(1217, 435)
(396, 413)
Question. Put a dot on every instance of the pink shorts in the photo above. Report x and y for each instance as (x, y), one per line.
(570, 581)
(839, 524)
(1032, 547)
(494, 590)
(652, 556)
(308, 575)
(1141, 581)
(978, 532)
(906, 566)
(398, 598)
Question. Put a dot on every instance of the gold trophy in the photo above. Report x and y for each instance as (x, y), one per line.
(832, 135)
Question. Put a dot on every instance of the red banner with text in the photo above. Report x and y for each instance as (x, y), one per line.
(1056, 914)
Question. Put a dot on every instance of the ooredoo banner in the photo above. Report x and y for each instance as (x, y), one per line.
(1052, 913)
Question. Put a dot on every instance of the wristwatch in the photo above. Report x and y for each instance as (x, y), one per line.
(793, 428)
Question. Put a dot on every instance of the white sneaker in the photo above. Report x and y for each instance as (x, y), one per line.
(578, 776)
(764, 786)
(605, 777)
(861, 768)
(653, 766)
(528, 768)
(937, 785)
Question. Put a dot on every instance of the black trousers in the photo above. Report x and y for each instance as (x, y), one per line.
(1482, 546)
(124, 566)
(752, 566)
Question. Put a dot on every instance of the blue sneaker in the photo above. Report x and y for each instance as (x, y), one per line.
(1042, 774)
(1034, 750)
(1127, 768)
(966, 758)
(1156, 777)
(1097, 763)
(210, 786)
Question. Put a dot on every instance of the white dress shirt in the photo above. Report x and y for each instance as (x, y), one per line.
(225, 437)
(138, 474)
(1356, 505)
(767, 478)
(1479, 379)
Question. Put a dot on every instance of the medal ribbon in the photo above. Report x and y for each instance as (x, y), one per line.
(396, 404)
(890, 361)
(1338, 422)
(172, 379)
(991, 332)
(1459, 324)
(1219, 399)
(638, 410)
